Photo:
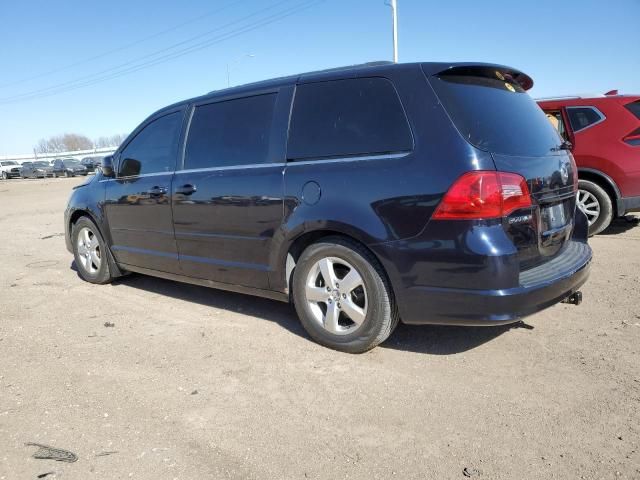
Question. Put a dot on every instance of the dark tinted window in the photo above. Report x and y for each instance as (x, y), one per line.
(495, 114)
(347, 117)
(154, 149)
(634, 108)
(230, 133)
(582, 117)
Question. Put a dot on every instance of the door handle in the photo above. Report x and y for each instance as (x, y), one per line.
(156, 191)
(187, 189)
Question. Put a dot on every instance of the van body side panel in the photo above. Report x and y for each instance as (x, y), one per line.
(378, 198)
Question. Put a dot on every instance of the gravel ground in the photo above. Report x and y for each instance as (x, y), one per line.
(152, 379)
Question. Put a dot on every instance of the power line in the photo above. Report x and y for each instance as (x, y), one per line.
(105, 74)
(120, 49)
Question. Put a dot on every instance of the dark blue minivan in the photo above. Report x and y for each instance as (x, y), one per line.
(427, 193)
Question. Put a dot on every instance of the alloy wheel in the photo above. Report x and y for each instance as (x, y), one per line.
(590, 206)
(336, 295)
(89, 253)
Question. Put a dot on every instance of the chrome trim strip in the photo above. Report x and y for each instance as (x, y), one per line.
(388, 156)
(133, 177)
(232, 167)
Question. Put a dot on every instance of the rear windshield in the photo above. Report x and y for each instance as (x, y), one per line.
(496, 114)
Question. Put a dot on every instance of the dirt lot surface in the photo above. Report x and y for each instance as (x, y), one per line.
(152, 379)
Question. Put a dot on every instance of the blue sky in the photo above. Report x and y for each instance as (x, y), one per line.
(566, 46)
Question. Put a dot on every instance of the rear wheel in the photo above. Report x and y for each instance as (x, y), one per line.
(596, 204)
(90, 252)
(342, 296)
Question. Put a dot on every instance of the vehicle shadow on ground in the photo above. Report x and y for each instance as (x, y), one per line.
(444, 340)
(621, 225)
(427, 339)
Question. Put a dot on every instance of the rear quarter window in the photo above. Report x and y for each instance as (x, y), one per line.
(583, 117)
(344, 118)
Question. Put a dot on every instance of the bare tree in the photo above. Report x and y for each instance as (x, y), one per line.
(74, 141)
(67, 142)
(71, 142)
(102, 142)
(117, 139)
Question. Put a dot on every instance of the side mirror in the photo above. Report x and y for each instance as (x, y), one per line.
(107, 166)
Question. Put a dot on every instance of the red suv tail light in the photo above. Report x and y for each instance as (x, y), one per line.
(484, 194)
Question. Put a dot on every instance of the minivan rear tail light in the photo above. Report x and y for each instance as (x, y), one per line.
(481, 195)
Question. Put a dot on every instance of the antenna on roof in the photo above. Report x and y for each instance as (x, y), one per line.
(611, 92)
(394, 18)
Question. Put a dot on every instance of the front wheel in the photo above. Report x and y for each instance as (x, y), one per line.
(5, 176)
(90, 252)
(343, 297)
(596, 204)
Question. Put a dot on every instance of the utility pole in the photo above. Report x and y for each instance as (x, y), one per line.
(394, 17)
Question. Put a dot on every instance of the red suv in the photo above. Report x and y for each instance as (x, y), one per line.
(604, 133)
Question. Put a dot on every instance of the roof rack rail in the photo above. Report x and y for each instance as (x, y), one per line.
(576, 97)
(565, 97)
(376, 63)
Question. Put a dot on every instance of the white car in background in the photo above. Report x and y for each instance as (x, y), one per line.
(9, 169)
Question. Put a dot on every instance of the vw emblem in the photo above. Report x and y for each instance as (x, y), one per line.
(564, 173)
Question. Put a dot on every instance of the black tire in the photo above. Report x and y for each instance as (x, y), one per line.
(604, 203)
(381, 315)
(103, 273)
(66, 174)
(54, 175)
(5, 176)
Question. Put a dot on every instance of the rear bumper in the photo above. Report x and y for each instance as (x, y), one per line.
(539, 288)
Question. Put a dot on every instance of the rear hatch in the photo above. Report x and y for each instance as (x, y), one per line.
(491, 109)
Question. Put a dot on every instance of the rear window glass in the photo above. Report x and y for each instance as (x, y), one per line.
(583, 117)
(349, 117)
(496, 115)
(634, 108)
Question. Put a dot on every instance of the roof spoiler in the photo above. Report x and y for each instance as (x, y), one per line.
(490, 71)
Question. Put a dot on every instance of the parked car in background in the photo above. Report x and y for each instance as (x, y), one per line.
(330, 189)
(39, 169)
(68, 167)
(604, 133)
(91, 163)
(9, 169)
